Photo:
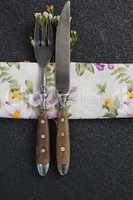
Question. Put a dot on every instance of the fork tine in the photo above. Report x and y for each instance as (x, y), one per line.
(50, 33)
(36, 32)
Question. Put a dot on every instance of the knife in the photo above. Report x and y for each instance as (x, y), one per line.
(62, 86)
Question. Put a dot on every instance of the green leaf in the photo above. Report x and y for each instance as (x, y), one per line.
(10, 64)
(80, 69)
(3, 73)
(110, 115)
(128, 65)
(13, 84)
(130, 85)
(32, 42)
(7, 79)
(130, 82)
(101, 88)
(121, 75)
(116, 103)
(13, 64)
(29, 87)
(25, 100)
(124, 79)
(74, 38)
(17, 65)
(4, 68)
(12, 81)
(118, 70)
(90, 68)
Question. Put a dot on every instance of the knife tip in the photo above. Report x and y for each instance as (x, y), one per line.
(63, 169)
(68, 3)
(43, 169)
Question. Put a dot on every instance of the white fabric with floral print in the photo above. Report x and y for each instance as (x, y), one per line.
(96, 90)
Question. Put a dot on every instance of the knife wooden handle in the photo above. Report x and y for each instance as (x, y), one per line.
(43, 144)
(63, 143)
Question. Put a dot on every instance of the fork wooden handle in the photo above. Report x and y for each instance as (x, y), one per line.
(63, 143)
(43, 144)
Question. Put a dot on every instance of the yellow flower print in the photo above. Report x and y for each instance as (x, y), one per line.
(130, 95)
(130, 115)
(108, 103)
(19, 110)
(15, 95)
(16, 114)
(111, 106)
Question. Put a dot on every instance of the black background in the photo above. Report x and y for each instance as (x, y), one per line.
(102, 150)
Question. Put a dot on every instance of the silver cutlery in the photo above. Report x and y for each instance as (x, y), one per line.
(62, 86)
(43, 50)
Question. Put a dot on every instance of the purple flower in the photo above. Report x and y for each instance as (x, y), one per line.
(102, 66)
(111, 66)
(52, 115)
(35, 99)
(7, 102)
(73, 89)
(52, 99)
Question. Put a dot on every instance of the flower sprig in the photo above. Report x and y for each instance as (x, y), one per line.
(50, 9)
(49, 15)
(74, 38)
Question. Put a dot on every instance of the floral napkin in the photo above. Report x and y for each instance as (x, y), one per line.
(96, 90)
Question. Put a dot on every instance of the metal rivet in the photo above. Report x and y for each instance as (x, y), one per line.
(42, 121)
(62, 148)
(62, 120)
(43, 150)
(43, 136)
(62, 134)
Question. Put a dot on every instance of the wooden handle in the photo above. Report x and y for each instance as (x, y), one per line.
(63, 143)
(43, 144)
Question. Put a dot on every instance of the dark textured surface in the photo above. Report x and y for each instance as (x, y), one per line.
(102, 150)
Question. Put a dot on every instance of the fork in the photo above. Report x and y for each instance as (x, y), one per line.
(43, 50)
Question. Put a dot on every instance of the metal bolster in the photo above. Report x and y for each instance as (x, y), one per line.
(44, 94)
(62, 100)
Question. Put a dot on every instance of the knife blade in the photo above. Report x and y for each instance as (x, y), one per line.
(62, 86)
